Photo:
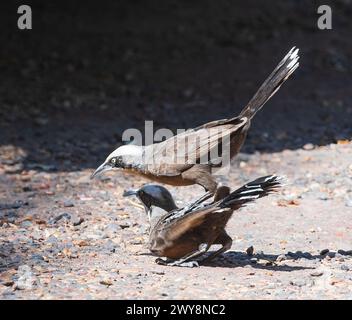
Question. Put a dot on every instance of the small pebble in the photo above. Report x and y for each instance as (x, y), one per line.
(281, 257)
(345, 253)
(304, 255)
(348, 203)
(253, 260)
(59, 217)
(324, 252)
(68, 204)
(345, 267)
(308, 146)
(250, 251)
(26, 224)
(294, 255)
(26, 279)
(76, 221)
(322, 196)
(106, 282)
(265, 262)
(298, 283)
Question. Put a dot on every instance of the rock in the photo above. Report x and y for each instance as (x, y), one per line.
(125, 225)
(339, 256)
(317, 273)
(106, 282)
(26, 279)
(27, 188)
(112, 228)
(253, 260)
(315, 186)
(15, 205)
(293, 255)
(322, 196)
(37, 257)
(52, 240)
(345, 253)
(81, 243)
(59, 217)
(308, 146)
(345, 267)
(76, 221)
(6, 278)
(250, 251)
(348, 203)
(68, 204)
(281, 257)
(265, 262)
(70, 253)
(298, 283)
(13, 169)
(324, 252)
(110, 246)
(285, 203)
(306, 255)
(26, 224)
(11, 216)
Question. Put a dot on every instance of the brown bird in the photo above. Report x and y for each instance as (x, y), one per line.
(182, 235)
(189, 157)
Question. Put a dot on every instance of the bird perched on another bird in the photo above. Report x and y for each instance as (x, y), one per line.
(189, 157)
(183, 234)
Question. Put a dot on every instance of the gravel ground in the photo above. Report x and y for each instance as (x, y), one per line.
(83, 75)
(64, 236)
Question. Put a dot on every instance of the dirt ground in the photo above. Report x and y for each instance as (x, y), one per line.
(74, 83)
(63, 236)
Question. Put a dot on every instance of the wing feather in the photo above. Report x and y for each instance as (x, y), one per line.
(203, 144)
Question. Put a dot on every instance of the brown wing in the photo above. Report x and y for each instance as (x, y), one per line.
(178, 153)
(177, 228)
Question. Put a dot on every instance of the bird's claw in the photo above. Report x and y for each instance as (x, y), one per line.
(161, 261)
(167, 262)
(189, 264)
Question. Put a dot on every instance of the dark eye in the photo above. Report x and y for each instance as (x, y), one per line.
(113, 161)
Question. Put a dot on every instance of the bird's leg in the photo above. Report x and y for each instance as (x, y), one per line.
(186, 260)
(225, 240)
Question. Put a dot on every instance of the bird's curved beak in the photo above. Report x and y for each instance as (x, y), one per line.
(104, 167)
(128, 193)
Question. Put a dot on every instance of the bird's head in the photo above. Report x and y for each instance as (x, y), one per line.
(126, 156)
(153, 195)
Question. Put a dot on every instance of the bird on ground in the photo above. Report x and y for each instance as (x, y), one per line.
(190, 157)
(183, 234)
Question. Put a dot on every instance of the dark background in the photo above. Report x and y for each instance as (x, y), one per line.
(89, 70)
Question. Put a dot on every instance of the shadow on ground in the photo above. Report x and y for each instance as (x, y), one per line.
(84, 74)
(235, 259)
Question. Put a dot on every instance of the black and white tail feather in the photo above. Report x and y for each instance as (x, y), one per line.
(272, 84)
(258, 188)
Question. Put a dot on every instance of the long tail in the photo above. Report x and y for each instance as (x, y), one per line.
(258, 188)
(272, 84)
